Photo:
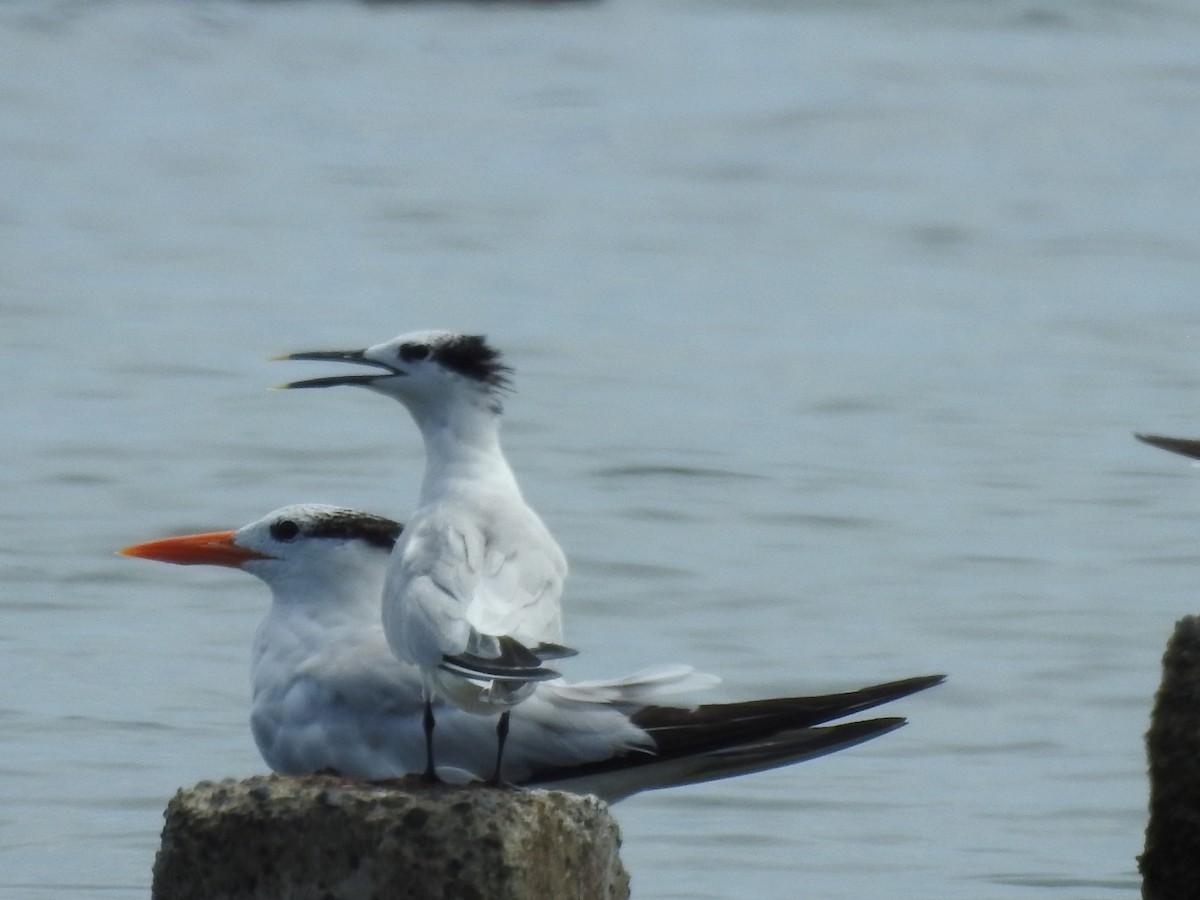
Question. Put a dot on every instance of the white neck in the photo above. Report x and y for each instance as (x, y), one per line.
(462, 445)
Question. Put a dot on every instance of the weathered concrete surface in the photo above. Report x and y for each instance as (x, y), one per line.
(1170, 865)
(326, 838)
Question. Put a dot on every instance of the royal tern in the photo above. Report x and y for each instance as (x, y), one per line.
(1183, 446)
(472, 591)
(330, 695)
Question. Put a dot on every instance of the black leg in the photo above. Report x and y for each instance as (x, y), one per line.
(501, 736)
(427, 723)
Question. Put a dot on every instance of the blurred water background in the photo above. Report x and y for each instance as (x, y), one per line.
(831, 323)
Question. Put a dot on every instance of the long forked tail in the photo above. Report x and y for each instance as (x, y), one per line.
(721, 740)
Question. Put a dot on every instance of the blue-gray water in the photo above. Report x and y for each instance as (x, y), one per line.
(831, 322)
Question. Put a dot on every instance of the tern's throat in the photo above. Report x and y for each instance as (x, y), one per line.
(463, 448)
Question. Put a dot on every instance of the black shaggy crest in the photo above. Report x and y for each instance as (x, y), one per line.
(471, 356)
(349, 524)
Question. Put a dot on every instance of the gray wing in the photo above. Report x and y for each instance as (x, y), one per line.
(472, 589)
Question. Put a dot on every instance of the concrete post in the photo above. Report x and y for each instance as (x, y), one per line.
(322, 837)
(1170, 865)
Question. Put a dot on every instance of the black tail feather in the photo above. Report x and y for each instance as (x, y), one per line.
(724, 739)
(514, 662)
(677, 730)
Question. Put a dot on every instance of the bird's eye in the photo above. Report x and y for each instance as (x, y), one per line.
(287, 530)
(413, 352)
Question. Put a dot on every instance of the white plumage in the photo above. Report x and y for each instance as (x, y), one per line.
(328, 693)
(473, 587)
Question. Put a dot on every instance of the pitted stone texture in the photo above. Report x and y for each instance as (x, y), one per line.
(1170, 865)
(326, 838)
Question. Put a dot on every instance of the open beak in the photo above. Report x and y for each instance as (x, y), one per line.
(357, 357)
(214, 548)
(1183, 446)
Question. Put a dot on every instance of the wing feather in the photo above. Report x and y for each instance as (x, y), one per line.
(457, 582)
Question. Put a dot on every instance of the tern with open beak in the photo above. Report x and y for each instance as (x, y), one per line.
(473, 587)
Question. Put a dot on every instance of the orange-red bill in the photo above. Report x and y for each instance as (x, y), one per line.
(213, 548)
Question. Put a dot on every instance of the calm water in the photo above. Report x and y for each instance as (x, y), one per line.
(831, 323)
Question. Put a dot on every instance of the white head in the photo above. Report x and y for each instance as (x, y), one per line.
(305, 551)
(423, 369)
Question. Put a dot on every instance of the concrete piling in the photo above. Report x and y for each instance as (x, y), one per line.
(321, 837)
(1170, 865)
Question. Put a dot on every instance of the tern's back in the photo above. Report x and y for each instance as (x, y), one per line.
(466, 569)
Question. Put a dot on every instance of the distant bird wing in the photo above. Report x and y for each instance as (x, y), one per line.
(1183, 446)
